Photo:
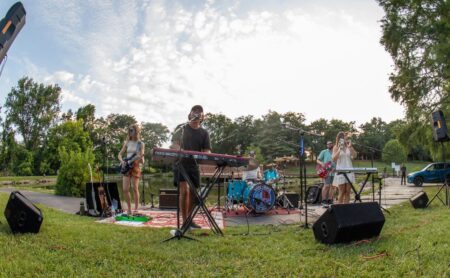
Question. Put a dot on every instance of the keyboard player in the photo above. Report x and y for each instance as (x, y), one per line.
(343, 153)
(192, 137)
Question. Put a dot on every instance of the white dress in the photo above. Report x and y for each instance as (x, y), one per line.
(344, 161)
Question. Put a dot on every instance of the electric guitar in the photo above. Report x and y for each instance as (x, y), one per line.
(326, 170)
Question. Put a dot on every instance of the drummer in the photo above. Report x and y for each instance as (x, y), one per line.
(252, 174)
(271, 175)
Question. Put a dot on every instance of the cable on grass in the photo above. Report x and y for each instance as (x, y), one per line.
(383, 254)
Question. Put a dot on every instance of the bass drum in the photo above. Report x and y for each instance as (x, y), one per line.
(259, 198)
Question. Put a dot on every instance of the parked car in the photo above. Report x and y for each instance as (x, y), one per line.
(432, 173)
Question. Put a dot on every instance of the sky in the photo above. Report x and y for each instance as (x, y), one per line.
(156, 59)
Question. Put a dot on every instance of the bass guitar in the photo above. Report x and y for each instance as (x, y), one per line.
(326, 170)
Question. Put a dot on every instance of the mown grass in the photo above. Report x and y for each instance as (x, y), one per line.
(412, 243)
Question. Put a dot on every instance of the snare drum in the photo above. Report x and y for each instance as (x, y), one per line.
(271, 176)
(260, 198)
(236, 190)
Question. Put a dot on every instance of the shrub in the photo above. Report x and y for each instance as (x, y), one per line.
(74, 172)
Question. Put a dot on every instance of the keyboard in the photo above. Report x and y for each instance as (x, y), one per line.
(364, 170)
(170, 156)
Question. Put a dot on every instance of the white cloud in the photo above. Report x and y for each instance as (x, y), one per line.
(155, 60)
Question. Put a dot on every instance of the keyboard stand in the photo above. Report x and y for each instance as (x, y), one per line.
(357, 193)
(200, 204)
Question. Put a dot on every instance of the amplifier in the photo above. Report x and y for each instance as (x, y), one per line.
(167, 198)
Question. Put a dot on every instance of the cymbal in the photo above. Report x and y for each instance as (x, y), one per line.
(271, 165)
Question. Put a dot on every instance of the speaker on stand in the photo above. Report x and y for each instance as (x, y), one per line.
(440, 134)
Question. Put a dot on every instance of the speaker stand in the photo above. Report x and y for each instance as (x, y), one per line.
(445, 185)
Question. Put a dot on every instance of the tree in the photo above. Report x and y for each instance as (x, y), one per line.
(221, 132)
(154, 135)
(69, 135)
(74, 172)
(32, 108)
(393, 151)
(373, 137)
(87, 115)
(416, 34)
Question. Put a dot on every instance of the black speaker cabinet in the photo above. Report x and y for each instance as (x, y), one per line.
(348, 222)
(22, 215)
(167, 198)
(93, 204)
(314, 194)
(420, 200)
(440, 133)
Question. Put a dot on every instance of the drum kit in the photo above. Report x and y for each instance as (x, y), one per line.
(258, 196)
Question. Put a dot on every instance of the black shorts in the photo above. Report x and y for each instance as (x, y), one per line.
(192, 172)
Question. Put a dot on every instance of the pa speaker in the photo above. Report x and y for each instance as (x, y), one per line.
(348, 222)
(420, 200)
(93, 201)
(22, 215)
(440, 133)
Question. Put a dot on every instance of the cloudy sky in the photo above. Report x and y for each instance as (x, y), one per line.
(154, 59)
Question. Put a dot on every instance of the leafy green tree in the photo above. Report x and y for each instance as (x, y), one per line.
(274, 140)
(87, 115)
(221, 132)
(74, 171)
(154, 135)
(393, 151)
(416, 34)
(245, 133)
(32, 108)
(69, 135)
(373, 137)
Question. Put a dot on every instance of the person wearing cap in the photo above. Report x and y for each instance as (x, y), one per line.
(253, 172)
(192, 137)
(325, 161)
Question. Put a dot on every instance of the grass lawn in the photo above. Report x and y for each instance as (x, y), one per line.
(412, 243)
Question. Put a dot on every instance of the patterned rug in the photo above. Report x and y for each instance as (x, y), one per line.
(240, 211)
(167, 218)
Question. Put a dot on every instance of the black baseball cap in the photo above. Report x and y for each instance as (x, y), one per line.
(197, 108)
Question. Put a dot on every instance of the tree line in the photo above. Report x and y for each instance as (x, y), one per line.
(36, 135)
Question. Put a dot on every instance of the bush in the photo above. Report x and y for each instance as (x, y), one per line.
(393, 151)
(74, 172)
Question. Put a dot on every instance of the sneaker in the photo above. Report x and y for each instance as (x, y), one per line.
(195, 226)
(175, 232)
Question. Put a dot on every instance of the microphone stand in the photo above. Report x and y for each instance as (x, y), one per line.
(302, 169)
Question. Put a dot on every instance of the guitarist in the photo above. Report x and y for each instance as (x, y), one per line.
(134, 148)
(326, 162)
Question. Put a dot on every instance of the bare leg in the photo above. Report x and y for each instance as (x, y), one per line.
(325, 192)
(136, 192)
(182, 204)
(341, 193)
(331, 193)
(347, 193)
(126, 192)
